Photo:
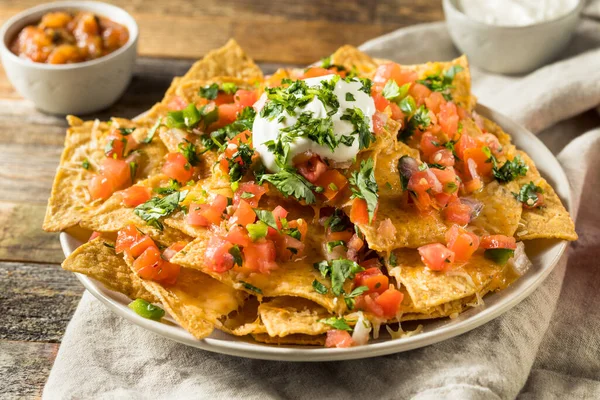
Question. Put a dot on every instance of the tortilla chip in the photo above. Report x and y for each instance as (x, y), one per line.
(244, 321)
(428, 289)
(501, 212)
(353, 59)
(299, 339)
(292, 278)
(449, 309)
(229, 60)
(70, 202)
(197, 302)
(283, 316)
(99, 261)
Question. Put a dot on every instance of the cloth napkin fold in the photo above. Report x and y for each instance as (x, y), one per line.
(546, 347)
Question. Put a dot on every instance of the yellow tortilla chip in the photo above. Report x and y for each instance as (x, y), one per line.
(197, 302)
(70, 202)
(353, 59)
(299, 339)
(449, 309)
(501, 212)
(428, 288)
(292, 278)
(98, 260)
(229, 60)
(283, 316)
(243, 321)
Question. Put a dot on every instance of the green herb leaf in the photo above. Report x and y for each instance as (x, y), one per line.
(393, 261)
(332, 245)
(173, 186)
(133, 167)
(86, 164)
(237, 255)
(350, 97)
(152, 131)
(337, 222)
(126, 131)
(319, 287)
(349, 298)
(251, 287)
(442, 82)
(365, 187)
(291, 183)
(408, 105)
(419, 120)
(528, 194)
(188, 149)
(361, 126)
(146, 309)
(156, 208)
(511, 169)
(267, 217)
(337, 323)
(209, 92)
(395, 93)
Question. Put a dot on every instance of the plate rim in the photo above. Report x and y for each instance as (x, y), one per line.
(242, 348)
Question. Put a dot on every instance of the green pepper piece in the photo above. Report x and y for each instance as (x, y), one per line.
(499, 256)
(147, 310)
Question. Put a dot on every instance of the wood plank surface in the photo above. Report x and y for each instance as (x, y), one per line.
(37, 297)
(297, 32)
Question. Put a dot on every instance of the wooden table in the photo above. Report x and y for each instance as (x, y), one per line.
(37, 298)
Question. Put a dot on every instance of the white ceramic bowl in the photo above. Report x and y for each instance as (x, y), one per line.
(78, 88)
(510, 49)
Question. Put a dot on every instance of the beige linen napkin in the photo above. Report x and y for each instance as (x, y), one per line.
(546, 347)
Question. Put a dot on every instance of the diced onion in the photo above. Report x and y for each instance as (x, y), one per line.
(520, 263)
(362, 329)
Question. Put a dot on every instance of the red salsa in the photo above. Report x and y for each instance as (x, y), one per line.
(64, 38)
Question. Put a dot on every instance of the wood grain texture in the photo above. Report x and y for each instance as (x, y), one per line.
(36, 296)
(297, 31)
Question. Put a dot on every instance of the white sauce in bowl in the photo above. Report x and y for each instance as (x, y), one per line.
(265, 130)
(516, 12)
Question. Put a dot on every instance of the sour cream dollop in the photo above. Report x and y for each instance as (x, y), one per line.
(516, 12)
(264, 130)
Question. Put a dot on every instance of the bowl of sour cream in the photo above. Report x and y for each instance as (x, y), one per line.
(512, 36)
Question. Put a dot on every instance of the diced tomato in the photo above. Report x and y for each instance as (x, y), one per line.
(397, 113)
(168, 273)
(498, 242)
(260, 256)
(223, 98)
(244, 214)
(132, 242)
(136, 195)
(312, 168)
(374, 279)
(429, 145)
(464, 142)
(434, 101)
(207, 214)
(419, 92)
(177, 167)
(388, 71)
(436, 256)
(120, 145)
(217, 255)
(100, 187)
(341, 235)
(445, 176)
(354, 245)
(462, 242)
(422, 200)
(94, 235)
(176, 103)
(473, 185)
(279, 213)
(148, 263)
(484, 165)
(333, 182)
(245, 98)
(379, 122)
(381, 103)
(442, 157)
(140, 245)
(538, 203)
(238, 235)
(458, 213)
(390, 301)
(173, 249)
(371, 263)
(227, 114)
(250, 188)
(367, 303)
(289, 247)
(338, 338)
(314, 72)
(422, 181)
(448, 118)
(359, 213)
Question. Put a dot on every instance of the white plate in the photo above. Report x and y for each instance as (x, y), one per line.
(543, 253)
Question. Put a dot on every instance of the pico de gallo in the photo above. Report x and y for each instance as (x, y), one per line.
(63, 37)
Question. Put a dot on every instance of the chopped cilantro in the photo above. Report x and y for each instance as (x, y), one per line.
(349, 298)
(251, 287)
(267, 217)
(86, 164)
(528, 194)
(157, 207)
(190, 117)
(216, 140)
(133, 167)
(442, 82)
(339, 271)
(511, 169)
(110, 246)
(337, 222)
(319, 287)
(209, 92)
(236, 253)
(395, 93)
(290, 183)
(364, 186)
(152, 131)
(337, 323)
(126, 131)
(333, 244)
(419, 120)
(188, 149)
(350, 97)
(393, 261)
(173, 186)
(408, 105)
(361, 126)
